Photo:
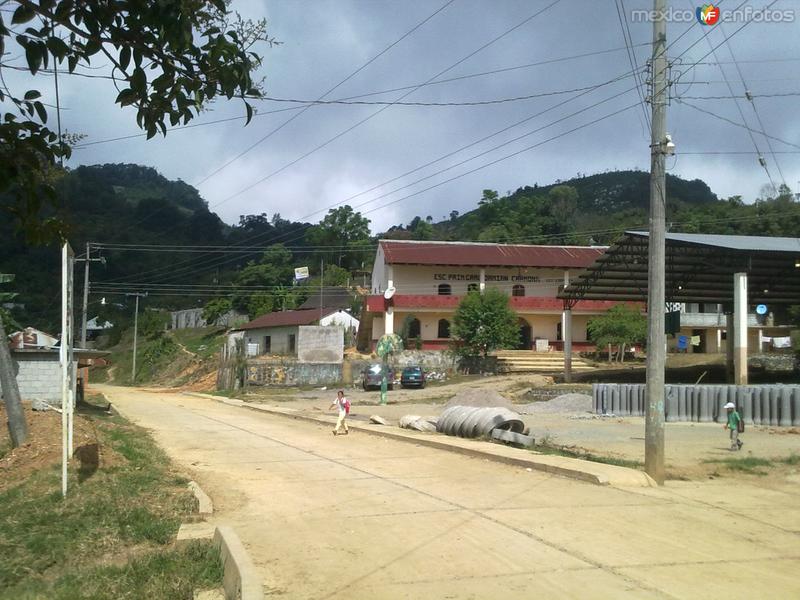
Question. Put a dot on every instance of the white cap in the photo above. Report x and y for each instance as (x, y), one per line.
(729, 405)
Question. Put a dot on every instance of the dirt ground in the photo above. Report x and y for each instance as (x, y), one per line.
(693, 450)
(363, 517)
(43, 448)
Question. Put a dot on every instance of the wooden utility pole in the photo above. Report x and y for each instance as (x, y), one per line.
(85, 307)
(17, 426)
(656, 336)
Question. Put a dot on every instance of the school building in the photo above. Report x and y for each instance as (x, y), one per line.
(428, 280)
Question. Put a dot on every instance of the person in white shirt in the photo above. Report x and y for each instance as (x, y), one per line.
(344, 409)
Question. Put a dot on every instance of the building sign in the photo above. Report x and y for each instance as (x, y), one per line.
(494, 278)
(301, 273)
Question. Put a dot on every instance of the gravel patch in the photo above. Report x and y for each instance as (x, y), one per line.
(565, 403)
(480, 397)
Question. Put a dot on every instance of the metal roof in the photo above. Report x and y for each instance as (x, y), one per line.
(286, 318)
(699, 268)
(755, 243)
(408, 252)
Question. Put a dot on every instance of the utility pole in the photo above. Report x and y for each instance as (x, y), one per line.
(321, 284)
(85, 306)
(135, 330)
(660, 145)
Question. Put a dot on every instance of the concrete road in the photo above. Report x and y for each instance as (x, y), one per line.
(363, 517)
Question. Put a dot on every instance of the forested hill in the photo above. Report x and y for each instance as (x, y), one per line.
(585, 209)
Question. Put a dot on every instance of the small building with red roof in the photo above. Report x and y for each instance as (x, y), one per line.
(427, 279)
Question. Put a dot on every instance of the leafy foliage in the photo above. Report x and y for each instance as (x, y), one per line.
(215, 308)
(621, 324)
(170, 59)
(346, 230)
(482, 323)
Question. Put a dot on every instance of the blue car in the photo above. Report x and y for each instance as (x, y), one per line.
(412, 377)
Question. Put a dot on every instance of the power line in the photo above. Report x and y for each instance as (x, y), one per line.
(368, 94)
(734, 123)
(376, 113)
(628, 39)
(761, 161)
(755, 110)
(342, 82)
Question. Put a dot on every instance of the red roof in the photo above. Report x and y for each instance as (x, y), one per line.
(496, 255)
(527, 303)
(285, 318)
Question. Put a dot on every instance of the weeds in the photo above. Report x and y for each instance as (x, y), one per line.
(110, 537)
(546, 447)
(747, 464)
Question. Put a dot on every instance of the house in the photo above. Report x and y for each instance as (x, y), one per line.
(292, 333)
(36, 358)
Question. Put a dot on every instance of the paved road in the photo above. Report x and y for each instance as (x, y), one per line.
(363, 517)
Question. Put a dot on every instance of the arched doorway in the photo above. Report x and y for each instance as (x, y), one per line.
(525, 335)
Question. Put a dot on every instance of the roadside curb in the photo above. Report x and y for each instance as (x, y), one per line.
(239, 579)
(574, 468)
(205, 507)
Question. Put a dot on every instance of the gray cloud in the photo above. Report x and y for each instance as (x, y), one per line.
(323, 41)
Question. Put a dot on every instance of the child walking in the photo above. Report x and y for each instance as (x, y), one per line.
(733, 424)
(344, 409)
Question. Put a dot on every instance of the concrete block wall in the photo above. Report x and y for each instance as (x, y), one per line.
(39, 379)
(320, 344)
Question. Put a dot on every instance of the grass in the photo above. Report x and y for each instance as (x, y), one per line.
(746, 464)
(111, 537)
(545, 447)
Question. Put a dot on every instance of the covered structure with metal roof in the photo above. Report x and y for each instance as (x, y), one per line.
(733, 270)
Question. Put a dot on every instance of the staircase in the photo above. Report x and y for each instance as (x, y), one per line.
(528, 361)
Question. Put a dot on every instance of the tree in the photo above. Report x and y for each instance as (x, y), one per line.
(620, 325)
(17, 427)
(482, 323)
(215, 308)
(170, 59)
(344, 229)
(258, 281)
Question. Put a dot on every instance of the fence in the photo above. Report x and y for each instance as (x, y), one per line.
(776, 405)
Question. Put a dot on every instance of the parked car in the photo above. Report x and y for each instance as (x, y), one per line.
(412, 377)
(372, 375)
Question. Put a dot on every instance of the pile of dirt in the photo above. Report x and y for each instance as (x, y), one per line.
(565, 403)
(43, 448)
(480, 397)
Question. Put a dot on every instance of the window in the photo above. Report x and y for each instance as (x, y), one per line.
(445, 289)
(518, 290)
(444, 328)
(472, 287)
(414, 329)
(292, 343)
(267, 344)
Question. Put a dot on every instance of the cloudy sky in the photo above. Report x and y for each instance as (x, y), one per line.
(324, 41)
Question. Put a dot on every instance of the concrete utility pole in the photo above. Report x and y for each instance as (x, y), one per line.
(135, 331)
(656, 337)
(85, 307)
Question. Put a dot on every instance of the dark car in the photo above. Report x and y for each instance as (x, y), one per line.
(412, 377)
(372, 375)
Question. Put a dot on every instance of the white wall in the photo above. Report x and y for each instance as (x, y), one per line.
(279, 338)
(425, 280)
(39, 377)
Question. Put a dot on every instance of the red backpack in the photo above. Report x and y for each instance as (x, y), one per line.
(346, 406)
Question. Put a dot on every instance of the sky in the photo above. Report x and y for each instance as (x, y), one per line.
(571, 131)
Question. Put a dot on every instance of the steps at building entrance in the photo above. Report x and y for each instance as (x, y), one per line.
(529, 361)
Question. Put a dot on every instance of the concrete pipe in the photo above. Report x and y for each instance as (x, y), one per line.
(746, 401)
(796, 406)
(595, 397)
(641, 392)
(756, 394)
(774, 404)
(671, 406)
(682, 403)
(707, 394)
(785, 419)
